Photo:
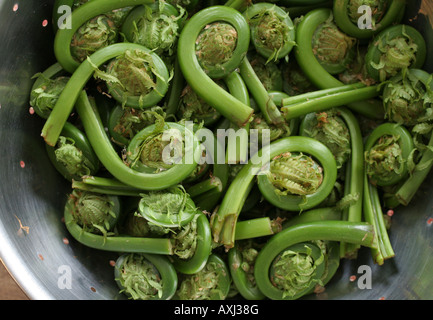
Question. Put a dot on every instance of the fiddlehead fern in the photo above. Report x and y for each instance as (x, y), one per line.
(137, 78)
(155, 26)
(168, 208)
(79, 16)
(73, 156)
(295, 237)
(145, 277)
(94, 212)
(125, 122)
(157, 148)
(46, 89)
(215, 46)
(333, 49)
(393, 50)
(201, 81)
(330, 129)
(295, 174)
(95, 34)
(294, 181)
(115, 164)
(210, 283)
(192, 255)
(297, 270)
(387, 152)
(407, 97)
(223, 222)
(192, 107)
(272, 30)
(383, 14)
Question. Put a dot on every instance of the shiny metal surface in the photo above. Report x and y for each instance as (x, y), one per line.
(36, 247)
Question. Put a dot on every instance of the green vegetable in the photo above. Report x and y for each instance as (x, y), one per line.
(203, 242)
(272, 30)
(334, 49)
(241, 260)
(93, 35)
(395, 49)
(155, 26)
(116, 243)
(79, 16)
(168, 208)
(295, 182)
(46, 89)
(358, 233)
(200, 80)
(145, 276)
(388, 149)
(210, 283)
(73, 156)
(224, 220)
(318, 76)
(115, 165)
(384, 14)
(225, 149)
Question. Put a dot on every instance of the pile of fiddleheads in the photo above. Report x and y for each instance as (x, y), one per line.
(218, 146)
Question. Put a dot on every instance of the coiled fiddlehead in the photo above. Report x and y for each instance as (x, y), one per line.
(297, 235)
(137, 78)
(201, 80)
(125, 122)
(393, 50)
(145, 276)
(155, 26)
(210, 283)
(112, 242)
(295, 174)
(192, 255)
(116, 166)
(46, 89)
(82, 14)
(157, 148)
(317, 74)
(223, 222)
(167, 208)
(95, 34)
(387, 152)
(94, 212)
(215, 45)
(294, 181)
(272, 30)
(407, 97)
(333, 49)
(383, 14)
(73, 156)
(192, 107)
(330, 129)
(297, 270)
